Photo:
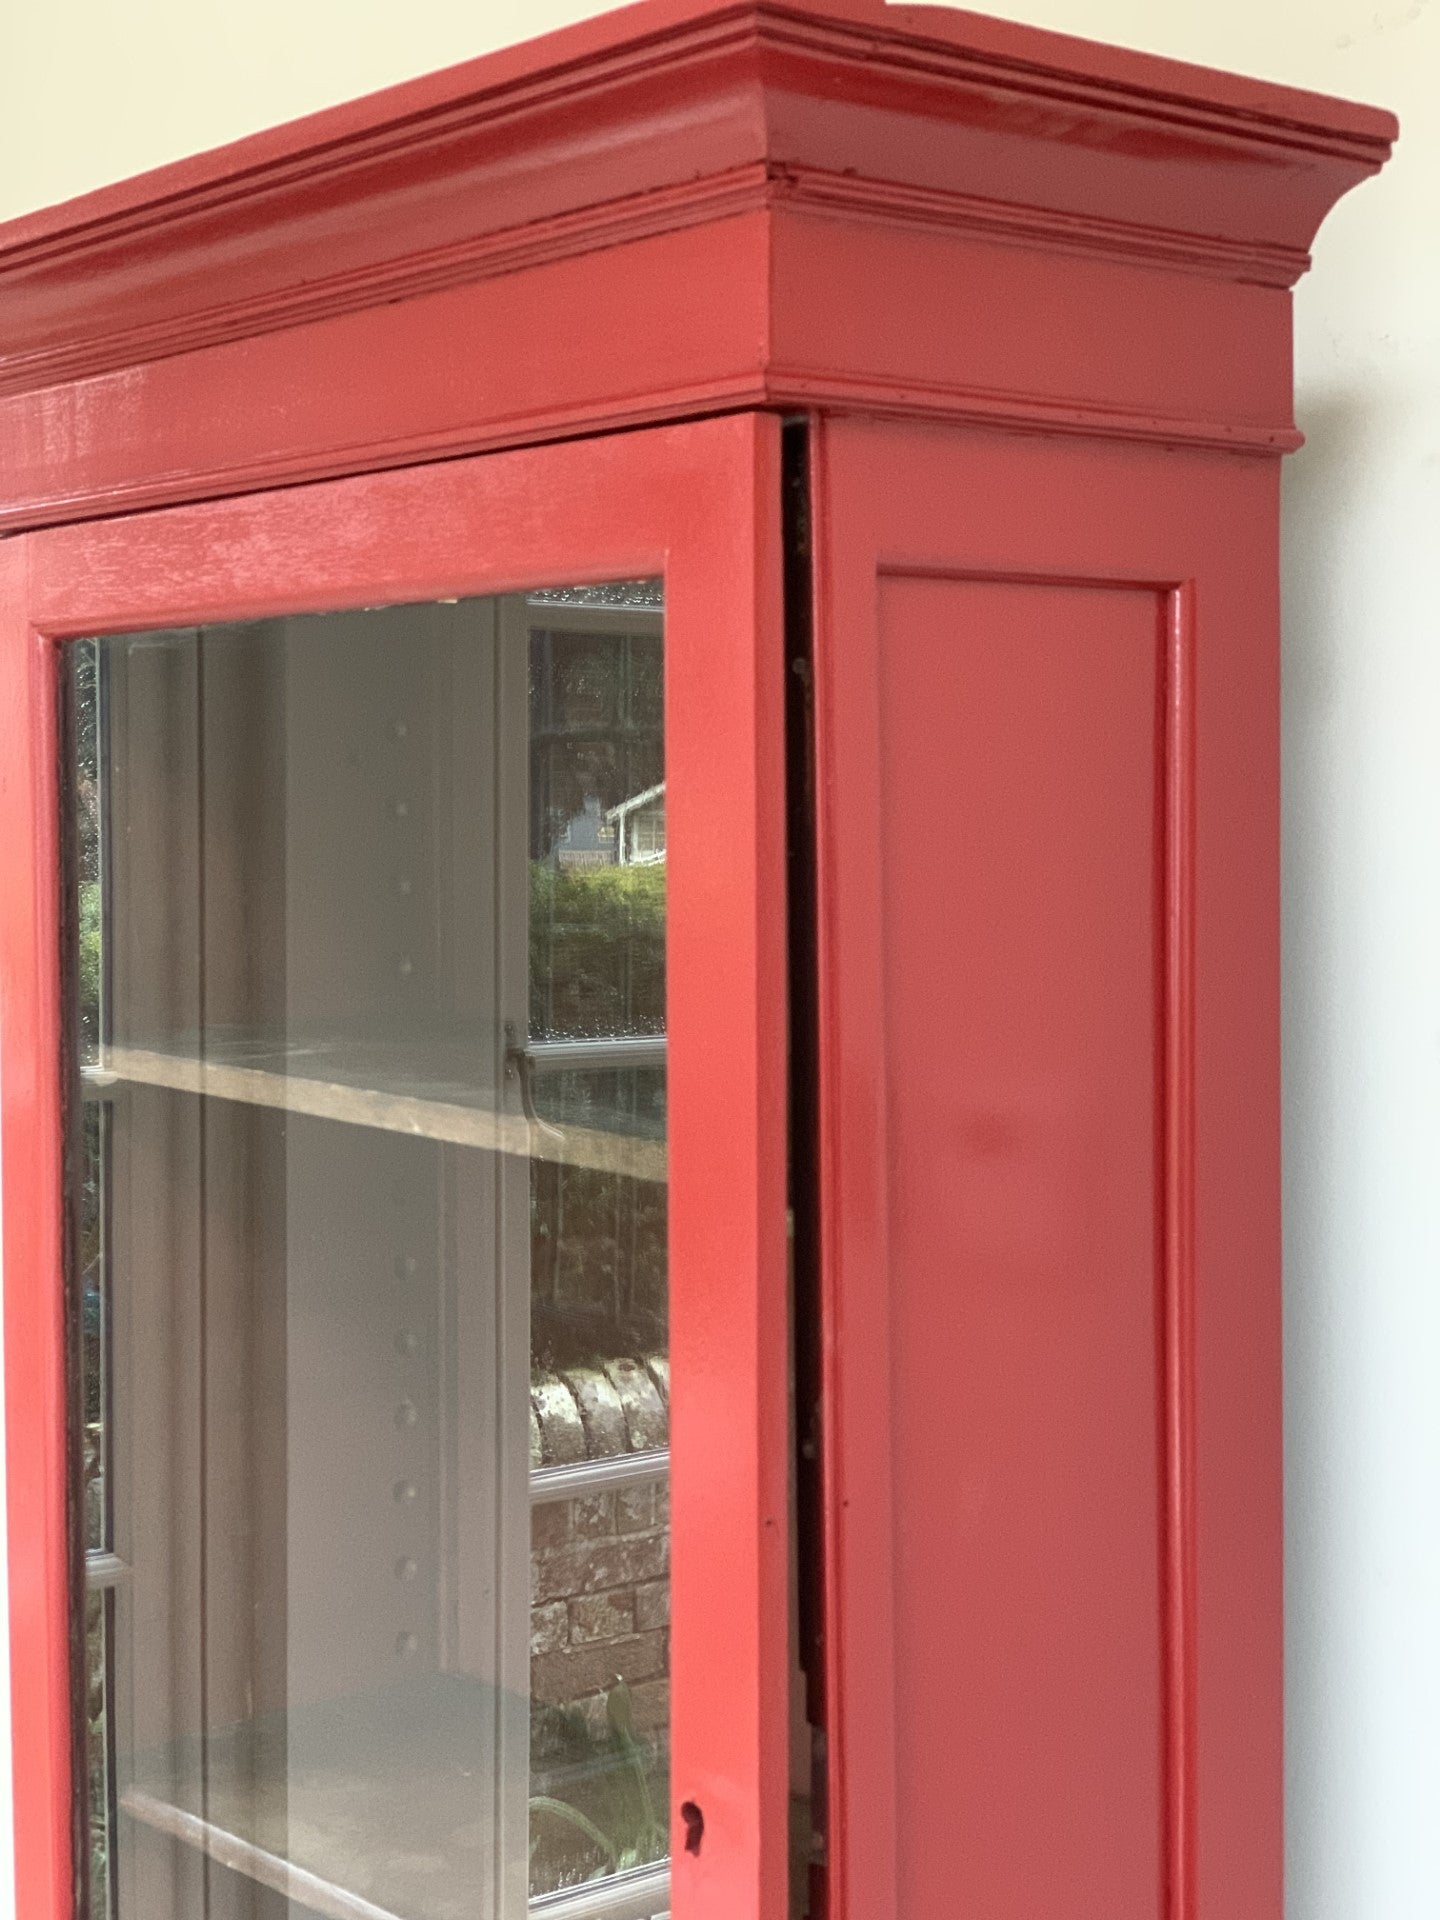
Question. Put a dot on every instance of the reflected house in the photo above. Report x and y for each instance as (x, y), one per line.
(596, 694)
(638, 825)
(630, 835)
(587, 840)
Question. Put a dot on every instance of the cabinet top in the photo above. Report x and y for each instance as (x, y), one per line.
(665, 118)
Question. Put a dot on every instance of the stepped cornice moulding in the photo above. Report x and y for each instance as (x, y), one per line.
(755, 188)
(921, 128)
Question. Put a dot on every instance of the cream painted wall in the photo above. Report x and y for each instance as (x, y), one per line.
(93, 89)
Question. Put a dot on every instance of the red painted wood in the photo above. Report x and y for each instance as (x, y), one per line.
(1046, 810)
(1018, 779)
(606, 73)
(546, 351)
(698, 503)
(37, 1544)
(528, 245)
(1106, 347)
(1048, 737)
(1107, 343)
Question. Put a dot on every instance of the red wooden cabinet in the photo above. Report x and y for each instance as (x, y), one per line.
(638, 1051)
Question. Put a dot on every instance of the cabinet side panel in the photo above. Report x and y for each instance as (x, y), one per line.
(1020, 757)
(979, 599)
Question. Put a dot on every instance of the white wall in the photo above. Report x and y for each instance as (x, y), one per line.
(93, 89)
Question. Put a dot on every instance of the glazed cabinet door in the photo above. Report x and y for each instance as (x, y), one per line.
(395, 1071)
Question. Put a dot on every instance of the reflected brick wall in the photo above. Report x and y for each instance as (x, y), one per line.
(599, 1561)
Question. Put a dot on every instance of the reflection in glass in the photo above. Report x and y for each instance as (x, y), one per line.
(99, 1614)
(89, 1223)
(368, 1268)
(89, 1283)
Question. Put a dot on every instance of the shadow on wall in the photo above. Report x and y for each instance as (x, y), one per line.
(1328, 493)
(1313, 492)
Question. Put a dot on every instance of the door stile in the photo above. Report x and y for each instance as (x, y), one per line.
(37, 1419)
(726, 991)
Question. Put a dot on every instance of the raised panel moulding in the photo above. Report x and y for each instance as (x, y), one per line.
(1028, 1269)
(659, 121)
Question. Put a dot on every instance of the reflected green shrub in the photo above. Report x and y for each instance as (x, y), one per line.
(597, 949)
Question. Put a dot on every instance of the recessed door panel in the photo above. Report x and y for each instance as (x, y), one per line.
(1020, 758)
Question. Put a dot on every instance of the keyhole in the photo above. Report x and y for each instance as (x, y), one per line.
(694, 1825)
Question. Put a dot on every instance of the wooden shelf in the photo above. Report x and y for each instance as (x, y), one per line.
(418, 1088)
(640, 1893)
(255, 1862)
(363, 1810)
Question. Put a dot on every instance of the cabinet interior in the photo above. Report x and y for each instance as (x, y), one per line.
(369, 1259)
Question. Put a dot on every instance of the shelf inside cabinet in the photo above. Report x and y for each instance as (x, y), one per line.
(433, 1087)
(368, 1809)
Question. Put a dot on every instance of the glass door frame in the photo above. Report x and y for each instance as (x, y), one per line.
(699, 504)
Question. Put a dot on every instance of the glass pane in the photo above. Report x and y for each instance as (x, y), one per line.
(89, 1212)
(99, 1614)
(600, 1703)
(599, 1379)
(368, 966)
(94, 1329)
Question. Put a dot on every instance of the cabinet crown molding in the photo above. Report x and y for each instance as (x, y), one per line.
(665, 119)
